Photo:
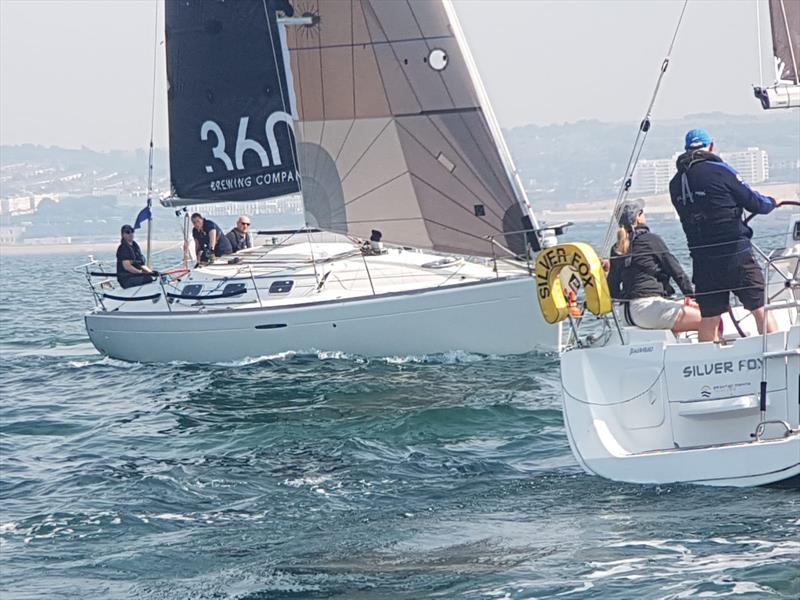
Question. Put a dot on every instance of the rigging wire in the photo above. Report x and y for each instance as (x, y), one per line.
(289, 129)
(151, 152)
(641, 136)
(760, 48)
(152, 129)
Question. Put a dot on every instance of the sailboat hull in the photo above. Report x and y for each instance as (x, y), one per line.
(659, 411)
(488, 317)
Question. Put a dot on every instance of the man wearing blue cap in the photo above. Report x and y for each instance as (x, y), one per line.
(710, 199)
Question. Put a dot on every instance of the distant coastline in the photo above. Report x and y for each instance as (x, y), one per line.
(80, 248)
(584, 212)
(576, 212)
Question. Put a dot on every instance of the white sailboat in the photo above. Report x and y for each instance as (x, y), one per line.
(651, 407)
(646, 406)
(418, 228)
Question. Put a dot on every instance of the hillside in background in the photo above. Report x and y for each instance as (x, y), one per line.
(586, 160)
(560, 165)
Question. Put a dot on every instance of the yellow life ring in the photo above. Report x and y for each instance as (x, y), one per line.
(583, 260)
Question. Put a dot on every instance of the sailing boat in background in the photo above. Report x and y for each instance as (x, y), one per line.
(784, 18)
(374, 112)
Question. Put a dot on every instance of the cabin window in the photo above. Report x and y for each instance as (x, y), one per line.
(280, 287)
(234, 288)
(192, 290)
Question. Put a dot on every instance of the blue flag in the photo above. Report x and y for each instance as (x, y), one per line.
(144, 215)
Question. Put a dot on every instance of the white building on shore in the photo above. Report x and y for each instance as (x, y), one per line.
(653, 176)
(751, 164)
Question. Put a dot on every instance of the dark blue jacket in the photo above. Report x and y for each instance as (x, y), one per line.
(710, 199)
(223, 246)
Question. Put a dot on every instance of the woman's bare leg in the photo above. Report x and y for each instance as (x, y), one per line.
(688, 320)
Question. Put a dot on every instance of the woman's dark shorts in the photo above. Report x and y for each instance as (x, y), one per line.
(715, 278)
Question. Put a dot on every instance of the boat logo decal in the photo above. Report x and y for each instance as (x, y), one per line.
(640, 350)
(244, 145)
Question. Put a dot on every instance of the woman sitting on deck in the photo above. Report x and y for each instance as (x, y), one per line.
(641, 267)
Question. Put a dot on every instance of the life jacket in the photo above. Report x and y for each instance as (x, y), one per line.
(710, 216)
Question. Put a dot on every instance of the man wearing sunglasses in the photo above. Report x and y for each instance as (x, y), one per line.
(239, 236)
(131, 268)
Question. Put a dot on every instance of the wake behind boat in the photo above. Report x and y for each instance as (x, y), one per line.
(418, 232)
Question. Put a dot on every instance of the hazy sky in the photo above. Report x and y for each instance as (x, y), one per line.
(78, 72)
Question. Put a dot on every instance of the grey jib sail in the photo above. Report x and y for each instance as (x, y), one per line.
(393, 134)
(230, 135)
(785, 20)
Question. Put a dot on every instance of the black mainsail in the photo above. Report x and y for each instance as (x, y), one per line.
(230, 134)
(784, 18)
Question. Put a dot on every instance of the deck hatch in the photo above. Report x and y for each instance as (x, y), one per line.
(281, 287)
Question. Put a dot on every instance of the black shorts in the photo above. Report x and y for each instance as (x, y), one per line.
(134, 280)
(715, 278)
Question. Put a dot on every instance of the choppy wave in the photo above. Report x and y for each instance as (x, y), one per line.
(319, 474)
(444, 358)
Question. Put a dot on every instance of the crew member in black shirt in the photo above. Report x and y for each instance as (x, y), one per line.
(641, 268)
(209, 240)
(131, 267)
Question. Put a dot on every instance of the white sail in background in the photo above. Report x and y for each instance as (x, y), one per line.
(392, 131)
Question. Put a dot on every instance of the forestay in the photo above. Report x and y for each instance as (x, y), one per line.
(230, 135)
(394, 131)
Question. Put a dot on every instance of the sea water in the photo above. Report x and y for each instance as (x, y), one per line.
(334, 476)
